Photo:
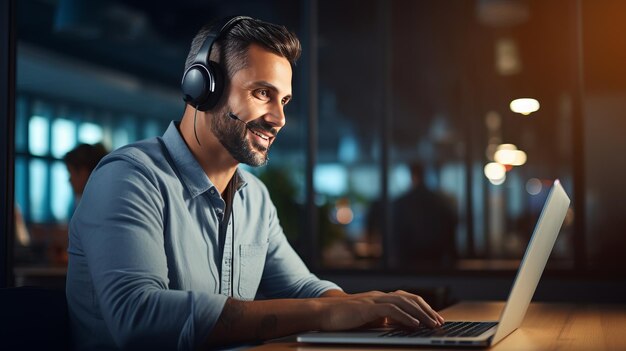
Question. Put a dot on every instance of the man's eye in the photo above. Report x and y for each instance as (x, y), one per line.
(262, 94)
(285, 101)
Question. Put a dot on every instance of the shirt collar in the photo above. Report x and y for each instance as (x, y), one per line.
(242, 178)
(189, 170)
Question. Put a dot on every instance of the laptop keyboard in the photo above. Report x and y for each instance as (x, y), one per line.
(449, 329)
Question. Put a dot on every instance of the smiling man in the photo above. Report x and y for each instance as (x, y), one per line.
(172, 242)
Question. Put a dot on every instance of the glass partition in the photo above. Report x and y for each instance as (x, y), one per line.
(425, 96)
(439, 125)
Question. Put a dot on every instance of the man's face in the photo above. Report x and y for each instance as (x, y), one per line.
(256, 94)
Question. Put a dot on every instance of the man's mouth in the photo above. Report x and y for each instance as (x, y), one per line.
(262, 136)
(263, 139)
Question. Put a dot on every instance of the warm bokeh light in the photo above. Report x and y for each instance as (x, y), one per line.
(524, 106)
(520, 158)
(533, 186)
(497, 181)
(510, 157)
(507, 147)
(505, 156)
(495, 171)
(508, 154)
(344, 215)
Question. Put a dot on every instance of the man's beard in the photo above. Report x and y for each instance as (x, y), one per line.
(232, 135)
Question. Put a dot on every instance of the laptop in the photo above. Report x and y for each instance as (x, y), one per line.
(478, 334)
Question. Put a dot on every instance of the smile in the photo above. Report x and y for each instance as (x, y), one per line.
(264, 137)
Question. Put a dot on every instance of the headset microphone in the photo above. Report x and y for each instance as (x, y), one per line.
(235, 117)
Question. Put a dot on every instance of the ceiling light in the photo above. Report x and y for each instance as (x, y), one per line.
(524, 106)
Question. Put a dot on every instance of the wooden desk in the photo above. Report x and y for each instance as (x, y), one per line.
(547, 326)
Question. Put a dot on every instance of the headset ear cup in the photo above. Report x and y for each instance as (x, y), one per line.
(217, 79)
(202, 85)
(195, 84)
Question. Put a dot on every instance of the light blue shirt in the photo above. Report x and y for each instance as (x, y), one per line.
(145, 265)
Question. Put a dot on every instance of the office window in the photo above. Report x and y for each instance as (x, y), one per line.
(53, 130)
(21, 184)
(330, 179)
(422, 100)
(38, 190)
(64, 137)
(38, 135)
(21, 125)
(124, 132)
(61, 192)
(151, 128)
(90, 133)
(42, 190)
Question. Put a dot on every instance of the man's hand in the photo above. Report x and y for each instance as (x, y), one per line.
(399, 307)
(261, 320)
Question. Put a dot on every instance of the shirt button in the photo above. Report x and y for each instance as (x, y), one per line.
(212, 191)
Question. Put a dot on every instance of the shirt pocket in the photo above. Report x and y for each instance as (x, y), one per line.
(251, 264)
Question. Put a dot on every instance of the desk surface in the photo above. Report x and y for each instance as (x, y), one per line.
(547, 326)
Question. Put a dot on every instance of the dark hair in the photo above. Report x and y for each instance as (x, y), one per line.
(85, 156)
(237, 39)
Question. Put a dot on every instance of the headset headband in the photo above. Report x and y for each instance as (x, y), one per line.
(224, 25)
(203, 81)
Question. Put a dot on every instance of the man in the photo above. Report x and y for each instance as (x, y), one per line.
(172, 242)
(424, 224)
(80, 162)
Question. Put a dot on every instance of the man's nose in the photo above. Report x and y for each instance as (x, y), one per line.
(276, 116)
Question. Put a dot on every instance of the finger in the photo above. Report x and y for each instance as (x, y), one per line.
(392, 311)
(423, 312)
(423, 304)
(409, 306)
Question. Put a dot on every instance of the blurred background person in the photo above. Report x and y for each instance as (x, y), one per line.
(80, 162)
(423, 224)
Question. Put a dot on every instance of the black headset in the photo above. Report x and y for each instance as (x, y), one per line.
(203, 82)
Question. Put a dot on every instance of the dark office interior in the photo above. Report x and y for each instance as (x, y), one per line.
(389, 96)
